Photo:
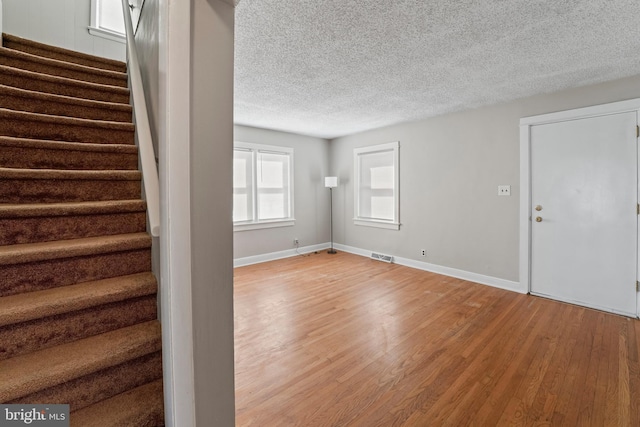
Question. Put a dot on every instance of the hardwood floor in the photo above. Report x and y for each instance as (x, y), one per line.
(341, 340)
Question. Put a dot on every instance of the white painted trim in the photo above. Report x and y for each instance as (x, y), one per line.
(144, 140)
(376, 223)
(630, 105)
(264, 224)
(96, 30)
(0, 22)
(175, 245)
(274, 149)
(597, 307)
(371, 222)
(445, 271)
(240, 262)
(583, 113)
(106, 34)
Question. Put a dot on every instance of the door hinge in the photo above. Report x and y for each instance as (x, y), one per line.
(637, 131)
(638, 209)
(637, 286)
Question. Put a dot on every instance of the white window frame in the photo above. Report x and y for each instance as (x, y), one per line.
(393, 224)
(270, 223)
(96, 30)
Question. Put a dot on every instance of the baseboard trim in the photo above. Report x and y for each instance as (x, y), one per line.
(495, 282)
(272, 256)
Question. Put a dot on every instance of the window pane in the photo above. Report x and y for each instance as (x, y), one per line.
(241, 205)
(110, 16)
(376, 193)
(242, 185)
(382, 207)
(273, 186)
(272, 206)
(382, 177)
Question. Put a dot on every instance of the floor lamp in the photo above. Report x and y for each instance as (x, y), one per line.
(331, 182)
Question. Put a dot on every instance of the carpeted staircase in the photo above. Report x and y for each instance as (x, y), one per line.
(78, 310)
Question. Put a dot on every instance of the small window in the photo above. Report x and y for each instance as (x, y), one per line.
(107, 20)
(376, 186)
(262, 186)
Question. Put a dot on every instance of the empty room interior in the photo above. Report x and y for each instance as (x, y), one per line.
(444, 151)
(321, 212)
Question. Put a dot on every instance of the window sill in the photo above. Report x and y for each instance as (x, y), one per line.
(264, 224)
(377, 224)
(106, 34)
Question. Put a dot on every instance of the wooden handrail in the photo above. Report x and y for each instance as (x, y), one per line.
(143, 129)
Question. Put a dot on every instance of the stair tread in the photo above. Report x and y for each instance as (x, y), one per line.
(63, 51)
(71, 208)
(69, 121)
(34, 305)
(62, 99)
(45, 368)
(57, 249)
(10, 141)
(49, 62)
(7, 69)
(139, 406)
(64, 174)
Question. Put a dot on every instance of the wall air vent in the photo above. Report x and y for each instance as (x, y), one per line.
(381, 257)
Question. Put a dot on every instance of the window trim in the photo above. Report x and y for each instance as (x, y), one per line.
(268, 223)
(96, 30)
(393, 224)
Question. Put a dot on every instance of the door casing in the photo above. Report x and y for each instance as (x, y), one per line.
(632, 105)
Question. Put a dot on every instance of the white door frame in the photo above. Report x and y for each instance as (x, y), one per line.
(632, 105)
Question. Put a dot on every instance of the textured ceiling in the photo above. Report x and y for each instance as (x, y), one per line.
(330, 68)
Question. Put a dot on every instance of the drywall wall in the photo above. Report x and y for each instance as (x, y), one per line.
(211, 157)
(450, 168)
(311, 198)
(62, 23)
(147, 45)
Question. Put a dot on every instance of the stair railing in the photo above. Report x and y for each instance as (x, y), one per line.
(143, 129)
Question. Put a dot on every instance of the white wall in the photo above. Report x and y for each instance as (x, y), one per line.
(211, 158)
(450, 167)
(311, 198)
(62, 23)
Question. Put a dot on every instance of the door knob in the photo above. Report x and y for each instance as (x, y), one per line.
(538, 219)
(538, 208)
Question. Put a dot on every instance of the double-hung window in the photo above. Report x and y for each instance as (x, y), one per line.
(262, 186)
(107, 20)
(377, 202)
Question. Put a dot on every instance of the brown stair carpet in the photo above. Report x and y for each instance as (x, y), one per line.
(78, 300)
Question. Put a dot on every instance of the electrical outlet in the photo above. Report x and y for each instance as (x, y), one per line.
(504, 190)
(296, 243)
(423, 252)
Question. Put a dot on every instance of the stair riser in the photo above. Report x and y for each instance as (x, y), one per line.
(103, 384)
(53, 107)
(52, 70)
(19, 278)
(61, 56)
(57, 88)
(64, 132)
(44, 229)
(52, 191)
(39, 158)
(47, 332)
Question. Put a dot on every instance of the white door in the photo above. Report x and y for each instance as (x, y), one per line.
(584, 193)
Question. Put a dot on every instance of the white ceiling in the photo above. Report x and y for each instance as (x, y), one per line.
(330, 68)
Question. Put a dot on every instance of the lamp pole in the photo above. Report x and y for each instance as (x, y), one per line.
(331, 251)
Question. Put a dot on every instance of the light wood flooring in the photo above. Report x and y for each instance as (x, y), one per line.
(341, 340)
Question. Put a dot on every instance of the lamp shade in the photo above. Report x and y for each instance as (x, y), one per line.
(331, 181)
